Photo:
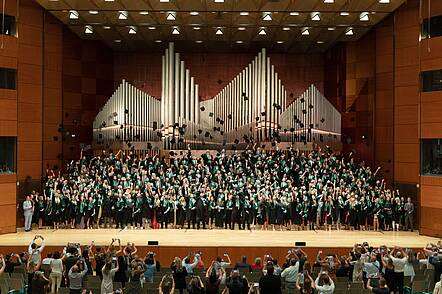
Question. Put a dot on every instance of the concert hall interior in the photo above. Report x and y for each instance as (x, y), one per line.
(316, 121)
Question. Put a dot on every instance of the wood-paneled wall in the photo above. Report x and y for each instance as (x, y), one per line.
(406, 104)
(8, 126)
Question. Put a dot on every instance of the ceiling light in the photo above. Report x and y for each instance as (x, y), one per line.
(267, 16)
(294, 13)
(320, 42)
(349, 32)
(196, 28)
(219, 1)
(219, 32)
(93, 12)
(73, 14)
(364, 16)
(151, 28)
(171, 16)
(279, 42)
(88, 29)
(384, 1)
(144, 12)
(262, 32)
(239, 42)
(107, 27)
(331, 28)
(286, 29)
(194, 13)
(316, 16)
(198, 41)
(164, 1)
(305, 32)
(329, 1)
(109, 0)
(243, 13)
(344, 13)
(122, 14)
(158, 41)
(117, 41)
(132, 30)
(241, 29)
(175, 31)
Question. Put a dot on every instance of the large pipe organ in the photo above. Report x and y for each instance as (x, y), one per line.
(251, 108)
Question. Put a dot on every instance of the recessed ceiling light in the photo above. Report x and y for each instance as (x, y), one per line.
(320, 42)
(88, 29)
(93, 12)
(117, 41)
(293, 13)
(349, 32)
(384, 1)
(286, 29)
(364, 16)
(164, 1)
(144, 12)
(109, 0)
(267, 16)
(152, 28)
(279, 42)
(107, 27)
(344, 13)
(244, 13)
(73, 14)
(171, 16)
(194, 13)
(199, 41)
(219, 32)
(219, 1)
(316, 16)
(132, 30)
(241, 29)
(158, 41)
(331, 28)
(175, 31)
(329, 1)
(262, 32)
(196, 28)
(239, 42)
(305, 32)
(122, 14)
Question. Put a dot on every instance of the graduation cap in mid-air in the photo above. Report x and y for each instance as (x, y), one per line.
(115, 122)
(236, 141)
(302, 100)
(181, 131)
(263, 113)
(229, 116)
(207, 134)
(202, 108)
(149, 146)
(322, 120)
(304, 111)
(172, 141)
(126, 111)
(217, 119)
(121, 127)
(273, 144)
(221, 122)
(159, 134)
(210, 114)
(200, 131)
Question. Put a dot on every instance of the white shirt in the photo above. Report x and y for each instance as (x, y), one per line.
(57, 266)
(47, 260)
(325, 289)
(399, 264)
(35, 254)
(290, 274)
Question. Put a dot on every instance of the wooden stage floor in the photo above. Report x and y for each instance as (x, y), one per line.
(217, 238)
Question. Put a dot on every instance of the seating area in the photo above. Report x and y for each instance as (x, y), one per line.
(17, 281)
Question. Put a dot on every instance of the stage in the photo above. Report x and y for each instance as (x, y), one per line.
(217, 242)
(217, 238)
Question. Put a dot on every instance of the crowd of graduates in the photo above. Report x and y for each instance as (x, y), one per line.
(253, 188)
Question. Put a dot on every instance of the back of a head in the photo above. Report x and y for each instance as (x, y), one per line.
(270, 270)
(383, 282)
(326, 280)
(244, 259)
(56, 255)
(213, 277)
(292, 262)
(166, 285)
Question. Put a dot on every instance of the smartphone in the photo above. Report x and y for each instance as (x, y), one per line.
(256, 285)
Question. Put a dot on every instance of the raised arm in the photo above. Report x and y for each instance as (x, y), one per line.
(2, 269)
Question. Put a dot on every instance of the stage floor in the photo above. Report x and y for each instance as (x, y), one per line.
(215, 238)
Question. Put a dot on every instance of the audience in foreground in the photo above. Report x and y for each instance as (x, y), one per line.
(380, 270)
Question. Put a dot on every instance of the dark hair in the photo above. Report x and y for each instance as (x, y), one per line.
(292, 262)
(33, 246)
(244, 258)
(326, 279)
(49, 255)
(213, 278)
(270, 269)
(382, 282)
(56, 255)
